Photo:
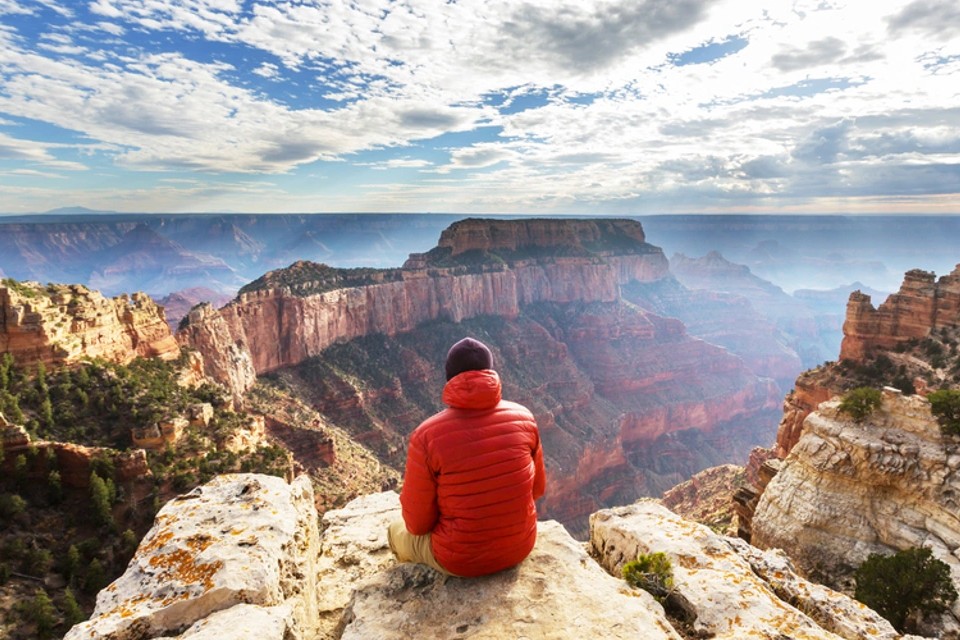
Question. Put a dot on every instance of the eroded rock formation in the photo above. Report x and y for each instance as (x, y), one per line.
(922, 304)
(847, 490)
(288, 317)
(57, 324)
(240, 558)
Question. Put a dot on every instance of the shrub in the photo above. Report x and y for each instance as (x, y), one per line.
(860, 403)
(908, 583)
(72, 612)
(945, 405)
(100, 499)
(40, 612)
(651, 572)
(11, 505)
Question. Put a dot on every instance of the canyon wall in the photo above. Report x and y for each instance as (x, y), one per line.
(279, 328)
(58, 324)
(628, 403)
(849, 489)
(241, 557)
(922, 304)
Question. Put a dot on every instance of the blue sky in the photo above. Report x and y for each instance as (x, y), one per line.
(532, 106)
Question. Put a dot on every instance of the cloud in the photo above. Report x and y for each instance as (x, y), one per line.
(934, 18)
(816, 53)
(586, 38)
(546, 104)
(33, 152)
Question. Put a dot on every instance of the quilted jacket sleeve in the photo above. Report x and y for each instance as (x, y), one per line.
(419, 494)
(540, 474)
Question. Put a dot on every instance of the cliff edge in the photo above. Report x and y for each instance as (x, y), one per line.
(242, 557)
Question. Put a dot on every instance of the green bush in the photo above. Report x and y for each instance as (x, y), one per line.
(40, 612)
(945, 406)
(651, 572)
(910, 582)
(11, 504)
(860, 403)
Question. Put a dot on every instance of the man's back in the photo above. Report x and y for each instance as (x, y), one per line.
(473, 473)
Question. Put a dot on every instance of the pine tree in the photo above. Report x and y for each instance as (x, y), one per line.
(71, 608)
(100, 496)
(41, 612)
(909, 582)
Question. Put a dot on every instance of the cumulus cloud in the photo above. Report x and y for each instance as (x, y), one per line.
(935, 18)
(542, 104)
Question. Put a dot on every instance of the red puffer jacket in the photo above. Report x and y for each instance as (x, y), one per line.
(473, 472)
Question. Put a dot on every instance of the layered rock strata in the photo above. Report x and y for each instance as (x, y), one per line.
(728, 589)
(57, 324)
(279, 323)
(240, 558)
(923, 303)
(847, 490)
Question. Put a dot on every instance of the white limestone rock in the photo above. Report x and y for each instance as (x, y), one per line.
(242, 622)
(241, 538)
(354, 550)
(848, 490)
(733, 590)
(557, 592)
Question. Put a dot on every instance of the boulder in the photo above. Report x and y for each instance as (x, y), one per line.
(727, 588)
(240, 540)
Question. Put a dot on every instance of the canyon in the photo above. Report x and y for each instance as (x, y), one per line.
(628, 402)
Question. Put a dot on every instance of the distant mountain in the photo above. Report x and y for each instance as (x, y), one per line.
(75, 210)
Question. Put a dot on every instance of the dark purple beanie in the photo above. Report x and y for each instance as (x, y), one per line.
(468, 355)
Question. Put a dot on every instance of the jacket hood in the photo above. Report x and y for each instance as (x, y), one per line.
(477, 389)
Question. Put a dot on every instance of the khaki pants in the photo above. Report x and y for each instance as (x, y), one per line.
(410, 548)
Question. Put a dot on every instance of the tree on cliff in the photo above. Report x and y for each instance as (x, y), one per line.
(945, 406)
(860, 403)
(908, 584)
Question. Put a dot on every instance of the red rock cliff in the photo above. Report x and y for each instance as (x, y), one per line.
(922, 304)
(282, 323)
(57, 324)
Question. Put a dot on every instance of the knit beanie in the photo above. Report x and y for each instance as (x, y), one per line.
(468, 355)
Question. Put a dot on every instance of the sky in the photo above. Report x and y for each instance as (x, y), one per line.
(481, 106)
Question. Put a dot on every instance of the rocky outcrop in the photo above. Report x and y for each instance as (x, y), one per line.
(74, 462)
(922, 304)
(225, 360)
(57, 324)
(847, 490)
(240, 558)
(529, 235)
(705, 498)
(725, 588)
(238, 553)
(807, 394)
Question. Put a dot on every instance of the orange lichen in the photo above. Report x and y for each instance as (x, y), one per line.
(181, 565)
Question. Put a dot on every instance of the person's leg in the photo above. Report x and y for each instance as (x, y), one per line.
(410, 548)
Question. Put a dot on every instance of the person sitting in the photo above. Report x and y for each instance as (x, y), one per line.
(472, 474)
